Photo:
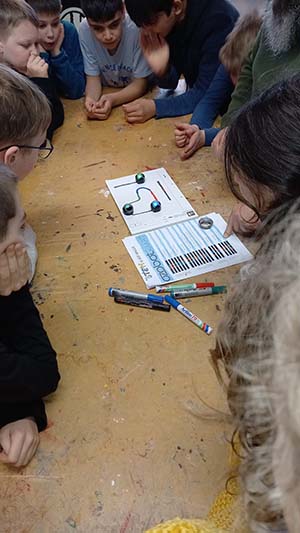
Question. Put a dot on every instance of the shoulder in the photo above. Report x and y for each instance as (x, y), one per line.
(69, 28)
(130, 29)
(84, 29)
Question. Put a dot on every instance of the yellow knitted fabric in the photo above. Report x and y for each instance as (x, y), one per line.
(221, 516)
(186, 526)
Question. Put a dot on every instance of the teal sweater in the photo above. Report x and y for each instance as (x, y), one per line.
(261, 71)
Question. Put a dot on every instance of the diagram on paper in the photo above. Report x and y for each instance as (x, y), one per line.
(149, 200)
(184, 250)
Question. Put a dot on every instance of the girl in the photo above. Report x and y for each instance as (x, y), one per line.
(262, 155)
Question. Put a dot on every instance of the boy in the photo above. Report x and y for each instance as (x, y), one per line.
(28, 368)
(179, 37)
(63, 53)
(19, 49)
(112, 57)
(232, 55)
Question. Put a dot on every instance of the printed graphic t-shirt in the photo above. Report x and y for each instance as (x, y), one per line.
(120, 69)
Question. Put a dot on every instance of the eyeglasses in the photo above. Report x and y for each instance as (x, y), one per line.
(45, 149)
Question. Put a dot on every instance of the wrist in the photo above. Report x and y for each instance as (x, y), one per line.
(55, 52)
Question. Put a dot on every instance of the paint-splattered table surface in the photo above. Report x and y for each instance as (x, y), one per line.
(124, 448)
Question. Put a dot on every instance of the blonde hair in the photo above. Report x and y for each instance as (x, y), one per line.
(239, 42)
(24, 109)
(258, 343)
(12, 12)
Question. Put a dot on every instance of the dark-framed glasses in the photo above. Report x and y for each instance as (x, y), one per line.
(45, 149)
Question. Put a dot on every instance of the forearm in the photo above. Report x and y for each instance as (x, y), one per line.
(134, 90)
(18, 411)
(177, 106)
(93, 88)
(28, 366)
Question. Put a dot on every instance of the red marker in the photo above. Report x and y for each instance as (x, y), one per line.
(188, 286)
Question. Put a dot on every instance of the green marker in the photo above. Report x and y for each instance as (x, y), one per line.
(198, 292)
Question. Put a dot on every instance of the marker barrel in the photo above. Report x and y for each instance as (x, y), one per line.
(198, 292)
(188, 286)
(135, 295)
(158, 306)
(188, 314)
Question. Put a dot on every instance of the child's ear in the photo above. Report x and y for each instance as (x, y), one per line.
(178, 7)
(10, 156)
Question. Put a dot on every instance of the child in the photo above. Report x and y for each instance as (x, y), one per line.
(19, 49)
(179, 37)
(24, 117)
(63, 53)
(112, 57)
(262, 155)
(232, 55)
(28, 367)
(275, 56)
(258, 343)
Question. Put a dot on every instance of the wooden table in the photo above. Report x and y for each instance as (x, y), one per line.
(125, 447)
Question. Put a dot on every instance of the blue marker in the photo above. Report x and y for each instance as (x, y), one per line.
(185, 312)
(135, 295)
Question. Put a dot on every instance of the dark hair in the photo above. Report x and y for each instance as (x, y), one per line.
(262, 146)
(144, 12)
(101, 10)
(51, 7)
(8, 185)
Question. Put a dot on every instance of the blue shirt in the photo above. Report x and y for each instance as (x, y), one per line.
(214, 103)
(66, 69)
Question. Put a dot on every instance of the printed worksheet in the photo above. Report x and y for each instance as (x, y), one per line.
(150, 200)
(183, 250)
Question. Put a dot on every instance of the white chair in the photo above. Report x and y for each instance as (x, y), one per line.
(72, 14)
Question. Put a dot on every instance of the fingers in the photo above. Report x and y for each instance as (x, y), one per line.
(5, 282)
(19, 442)
(24, 267)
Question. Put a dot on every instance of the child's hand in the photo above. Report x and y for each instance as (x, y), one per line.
(103, 107)
(218, 144)
(242, 220)
(189, 137)
(37, 67)
(61, 35)
(90, 104)
(19, 441)
(14, 269)
(156, 51)
(139, 111)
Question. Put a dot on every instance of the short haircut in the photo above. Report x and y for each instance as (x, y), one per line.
(101, 10)
(239, 42)
(24, 109)
(8, 185)
(144, 12)
(12, 12)
(51, 7)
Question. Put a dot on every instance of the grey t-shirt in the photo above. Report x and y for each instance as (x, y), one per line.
(120, 69)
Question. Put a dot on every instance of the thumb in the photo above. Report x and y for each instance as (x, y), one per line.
(179, 126)
(229, 228)
(4, 458)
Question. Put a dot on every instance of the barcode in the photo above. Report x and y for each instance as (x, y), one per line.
(202, 256)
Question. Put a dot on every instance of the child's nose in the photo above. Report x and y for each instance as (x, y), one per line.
(34, 49)
(49, 32)
(107, 34)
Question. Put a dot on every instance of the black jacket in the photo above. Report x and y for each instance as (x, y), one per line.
(28, 366)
